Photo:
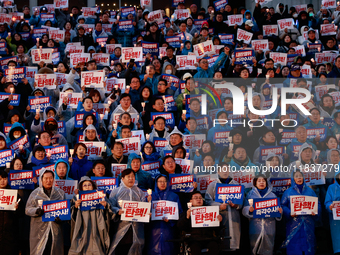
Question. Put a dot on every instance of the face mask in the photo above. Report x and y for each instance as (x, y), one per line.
(52, 127)
(16, 136)
(295, 15)
(168, 71)
(281, 9)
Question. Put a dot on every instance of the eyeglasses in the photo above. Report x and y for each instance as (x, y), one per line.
(204, 62)
(148, 148)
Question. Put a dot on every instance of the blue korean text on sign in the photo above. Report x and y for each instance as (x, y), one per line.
(181, 182)
(233, 193)
(56, 208)
(266, 207)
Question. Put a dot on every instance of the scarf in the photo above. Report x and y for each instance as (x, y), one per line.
(37, 162)
(263, 191)
(118, 160)
(244, 163)
(226, 181)
(160, 133)
(300, 187)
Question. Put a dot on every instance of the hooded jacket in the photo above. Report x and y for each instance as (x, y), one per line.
(80, 167)
(40, 230)
(261, 230)
(160, 230)
(128, 194)
(230, 217)
(68, 170)
(333, 194)
(300, 235)
(90, 229)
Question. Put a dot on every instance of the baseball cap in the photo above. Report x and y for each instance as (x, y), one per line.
(249, 23)
(295, 67)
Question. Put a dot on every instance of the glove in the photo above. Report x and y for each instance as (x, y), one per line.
(58, 220)
(39, 212)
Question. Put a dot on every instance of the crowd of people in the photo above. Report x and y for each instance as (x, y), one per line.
(111, 111)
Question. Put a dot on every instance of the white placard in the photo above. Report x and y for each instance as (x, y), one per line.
(186, 62)
(72, 99)
(280, 58)
(235, 20)
(102, 59)
(336, 210)
(76, 58)
(57, 35)
(60, 4)
(39, 55)
(94, 150)
(45, 81)
(164, 208)
(92, 79)
(135, 53)
(68, 186)
(110, 48)
(136, 211)
(260, 44)
(285, 23)
(7, 199)
(204, 48)
(131, 145)
(243, 35)
(205, 216)
(186, 165)
(303, 205)
(270, 30)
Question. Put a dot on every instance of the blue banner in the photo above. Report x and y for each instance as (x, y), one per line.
(151, 167)
(45, 17)
(21, 179)
(181, 182)
(313, 132)
(220, 4)
(226, 38)
(220, 138)
(3, 46)
(106, 184)
(287, 136)
(290, 58)
(15, 145)
(328, 122)
(6, 156)
(280, 185)
(159, 143)
(37, 169)
(149, 47)
(125, 25)
(170, 104)
(169, 118)
(127, 10)
(24, 35)
(90, 199)
(15, 75)
(244, 57)
(39, 32)
(39, 103)
(55, 58)
(171, 79)
(56, 208)
(173, 41)
(265, 150)
(14, 102)
(266, 208)
(4, 61)
(57, 152)
(233, 193)
(176, 2)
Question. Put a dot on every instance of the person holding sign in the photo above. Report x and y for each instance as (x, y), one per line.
(229, 210)
(261, 230)
(129, 236)
(332, 206)
(90, 228)
(80, 165)
(9, 222)
(299, 228)
(163, 230)
(45, 236)
(197, 238)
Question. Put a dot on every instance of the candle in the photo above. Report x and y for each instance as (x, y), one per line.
(11, 90)
(224, 198)
(71, 14)
(231, 146)
(8, 165)
(317, 153)
(55, 69)
(13, 18)
(147, 136)
(338, 136)
(37, 39)
(115, 126)
(102, 45)
(37, 111)
(149, 192)
(322, 118)
(120, 203)
(21, 147)
(32, 27)
(184, 95)
(40, 202)
(112, 62)
(251, 201)
(116, 87)
(189, 205)
(230, 139)
(71, 152)
(184, 112)
(48, 155)
(127, 86)
(77, 196)
(298, 163)
(101, 116)
(143, 104)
